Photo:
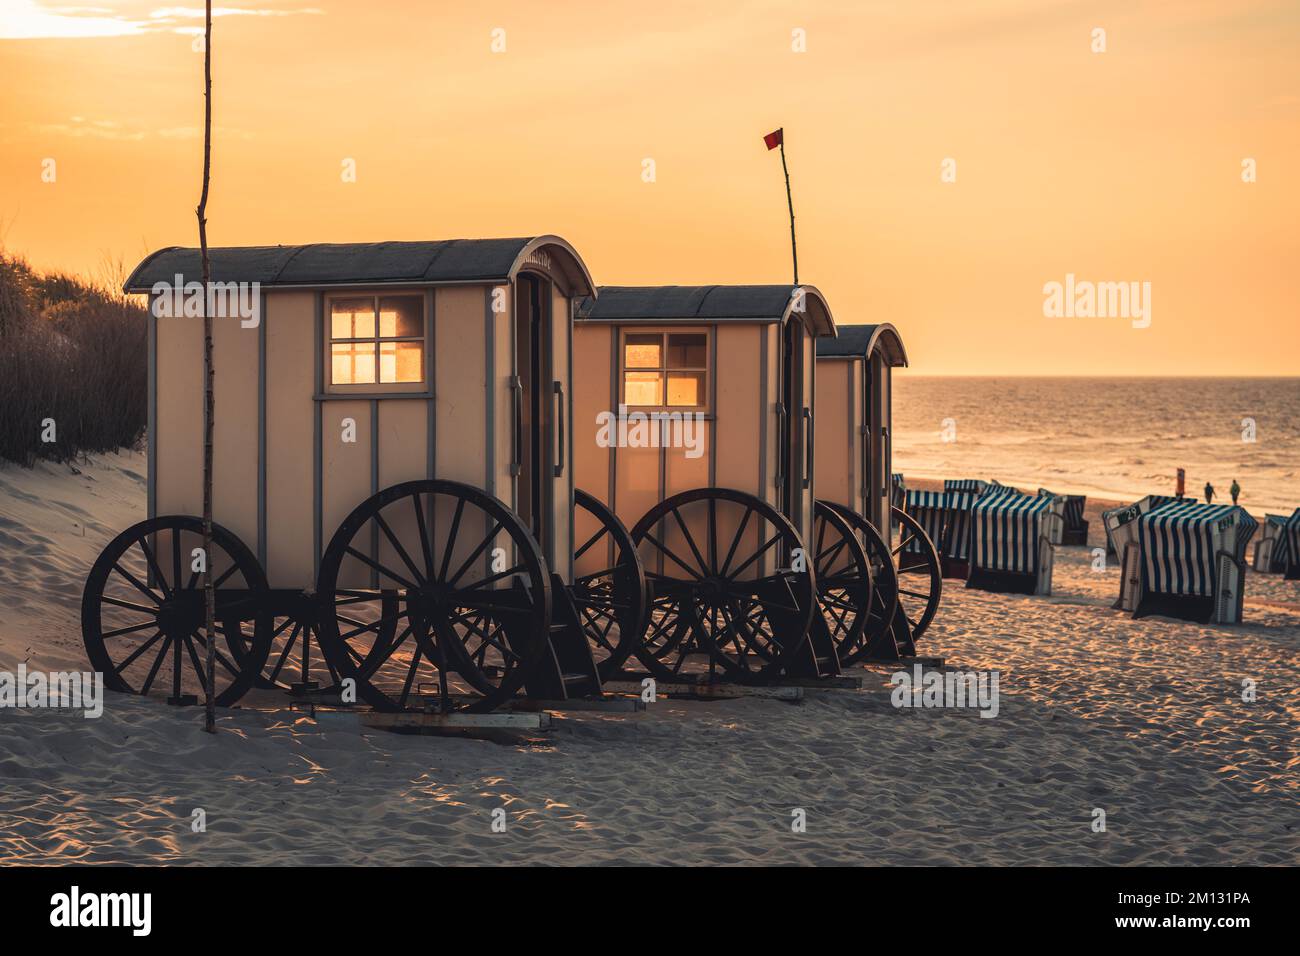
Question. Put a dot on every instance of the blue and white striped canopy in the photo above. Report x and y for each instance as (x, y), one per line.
(1073, 507)
(966, 484)
(1180, 543)
(928, 508)
(1292, 540)
(960, 495)
(1281, 541)
(897, 490)
(1005, 530)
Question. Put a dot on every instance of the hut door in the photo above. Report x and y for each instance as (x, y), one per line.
(796, 442)
(541, 413)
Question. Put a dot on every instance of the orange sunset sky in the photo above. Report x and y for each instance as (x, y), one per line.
(1117, 166)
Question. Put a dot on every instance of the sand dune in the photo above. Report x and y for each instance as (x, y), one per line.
(1141, 719)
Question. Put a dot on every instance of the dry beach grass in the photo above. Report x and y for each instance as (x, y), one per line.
(1143, 719)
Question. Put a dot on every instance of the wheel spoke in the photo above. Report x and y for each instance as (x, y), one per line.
(426, 548)
(157, 665)
(482, 546)
(117, 632)
(735, 541)
(397, 546)
(118, 602)
(135, 582)
(690, 540)
(366, 559)
(138, 652)
(152, 561)
(757, 554)
(590, 541)
(410, 676)
(664, 548)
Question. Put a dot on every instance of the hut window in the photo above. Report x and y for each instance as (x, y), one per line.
(377, 340)
(665, 369)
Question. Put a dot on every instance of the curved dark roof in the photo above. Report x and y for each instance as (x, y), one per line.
(702, 303)
(352, 263)
(859, 341)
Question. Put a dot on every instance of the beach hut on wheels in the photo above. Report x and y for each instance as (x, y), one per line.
(856, 477)
(393, 480)
(1189, 562)
(694, 416)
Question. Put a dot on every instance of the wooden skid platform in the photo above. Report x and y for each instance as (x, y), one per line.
(702, 690)
(457, 721)
(934, 662)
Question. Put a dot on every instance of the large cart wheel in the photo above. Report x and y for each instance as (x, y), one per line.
(611, 599)
(142, 612)
(877, 632)
(296, 661)
(844, 579)
(731, 580)
(920, 574)
(472, 614)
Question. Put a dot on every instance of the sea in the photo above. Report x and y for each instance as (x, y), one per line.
(1117, 438)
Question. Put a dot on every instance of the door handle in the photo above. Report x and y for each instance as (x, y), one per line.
(559, 417)
(807, 447)
(781, 435)
(517, 387)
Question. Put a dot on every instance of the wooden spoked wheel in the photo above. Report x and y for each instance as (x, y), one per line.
(609, 585)
(877, 632)
(142, 612)
(844, 579)
(920, 577)
(434, 592)
(732, 583)
(296, 661)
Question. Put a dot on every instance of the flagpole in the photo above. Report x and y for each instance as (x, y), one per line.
(794, 252)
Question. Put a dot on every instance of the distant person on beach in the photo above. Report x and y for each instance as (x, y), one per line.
(1209, 493)
(1235, 490)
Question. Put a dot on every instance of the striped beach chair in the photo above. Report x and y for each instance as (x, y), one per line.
(1293, 546)
(929, 508)
(897, 491)
(1012, 541)
(1272, 548)
(960, 495)
(1074, 529)
(1193, 561)
(1116, 518)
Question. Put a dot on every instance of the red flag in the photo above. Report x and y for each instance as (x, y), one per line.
(774, 140)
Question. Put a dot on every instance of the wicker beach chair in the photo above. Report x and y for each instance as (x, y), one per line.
(1192, 561)
(1272, 547)
(1074, 529)
(1012, 542)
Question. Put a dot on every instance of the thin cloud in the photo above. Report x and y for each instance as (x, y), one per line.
(36, 20)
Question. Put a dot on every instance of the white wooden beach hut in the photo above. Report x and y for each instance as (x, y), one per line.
(393, 476)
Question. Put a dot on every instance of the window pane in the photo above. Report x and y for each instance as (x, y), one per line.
(688, 350)
(642, 388)
(643, 350)
(401, 361)
(352, 318)
(685, 388)
(401, 316)
(352, 363)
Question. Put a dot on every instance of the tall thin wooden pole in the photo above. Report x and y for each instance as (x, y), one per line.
(209, 595)
(794, 252)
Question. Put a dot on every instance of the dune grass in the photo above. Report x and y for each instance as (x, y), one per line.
(74, 355)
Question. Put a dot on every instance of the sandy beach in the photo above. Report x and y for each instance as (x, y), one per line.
(1141, 719)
